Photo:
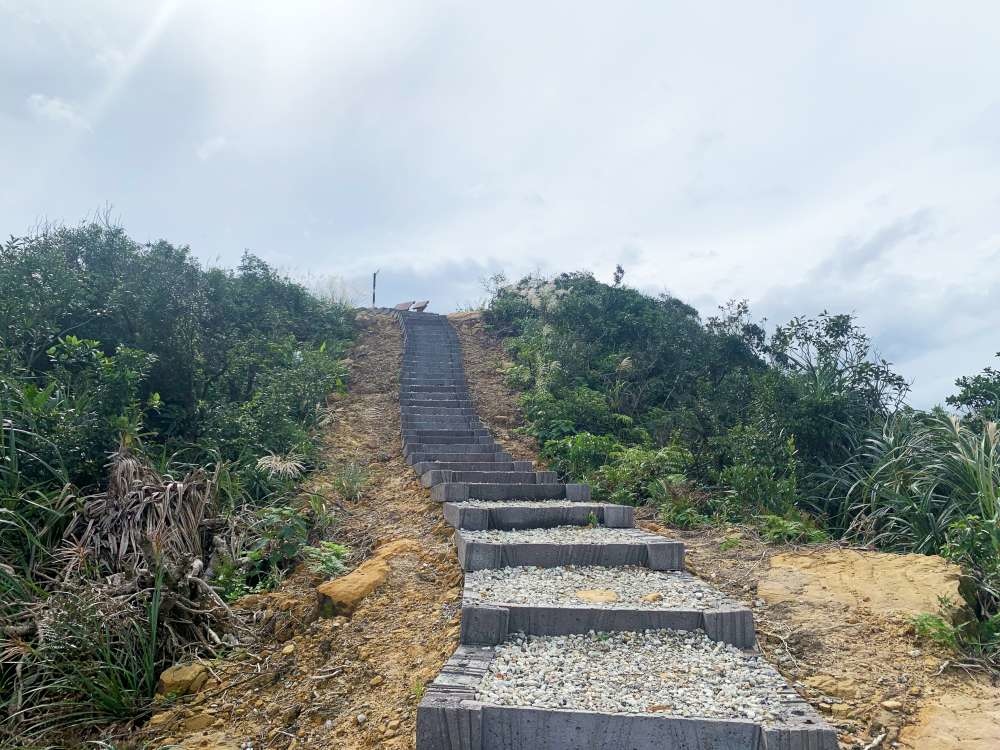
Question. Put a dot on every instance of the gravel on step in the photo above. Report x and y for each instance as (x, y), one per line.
(560, 535)
(523, 503)
(635, 588)
(679, 673)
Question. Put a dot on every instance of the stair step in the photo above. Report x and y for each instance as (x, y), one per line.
(535, 602)
(457, 492)
(478, 433)
(457, 712)
(420, 458)
(480, 515)
(437, 476)
(567, 545)
(475, 466)
(484, 442)
(438, 411)
(451, 448)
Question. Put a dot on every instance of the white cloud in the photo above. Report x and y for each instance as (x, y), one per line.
(57, 110)
(802, 157)
(212, 147)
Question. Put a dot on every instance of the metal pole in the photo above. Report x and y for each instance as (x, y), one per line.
(373, 286)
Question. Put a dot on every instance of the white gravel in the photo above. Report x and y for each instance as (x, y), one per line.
(656, 671)
(561, 535)
(559, 587)
(523, 503)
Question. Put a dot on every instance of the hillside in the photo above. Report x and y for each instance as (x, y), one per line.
(825, 614)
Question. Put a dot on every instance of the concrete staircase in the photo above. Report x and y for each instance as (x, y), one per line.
(498, 507)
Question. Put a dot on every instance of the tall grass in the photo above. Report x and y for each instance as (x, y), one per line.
(96, 662)
(930, 483)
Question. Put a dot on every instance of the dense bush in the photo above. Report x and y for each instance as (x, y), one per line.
(759, 414)
(577, 457)
(803, 432)
(629, 475)
(155, 420)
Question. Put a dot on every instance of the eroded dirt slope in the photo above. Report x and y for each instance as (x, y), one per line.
(838, 624)
(342, 682)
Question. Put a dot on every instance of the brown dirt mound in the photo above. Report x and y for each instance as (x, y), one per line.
(906, 585)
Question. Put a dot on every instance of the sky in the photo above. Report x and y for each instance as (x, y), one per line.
(805, 156)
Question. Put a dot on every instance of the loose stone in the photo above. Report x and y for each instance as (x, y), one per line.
(560, 535)
(682, 673)
(633, 587)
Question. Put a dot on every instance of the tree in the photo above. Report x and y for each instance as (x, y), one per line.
(979, 395)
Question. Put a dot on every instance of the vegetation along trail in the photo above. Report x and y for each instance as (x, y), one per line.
(346, 678)
(209, 537)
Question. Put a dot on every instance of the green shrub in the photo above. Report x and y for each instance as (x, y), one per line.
(205, 387)
(99, 663)
(627, 477)
(326, 558)
(578, 456)
(936, 629)
(781, 529)
(762, 475)
(519, 377)
(350, 480)
(573, 410)
(730, 543)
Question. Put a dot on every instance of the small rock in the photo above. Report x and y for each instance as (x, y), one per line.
(376, 681)
(653, 597)
(199, 722)
(182, 679)
(289, 649)
(160, 718)
(892, 705)
(361, 719)
(394, 724)
(597, 595)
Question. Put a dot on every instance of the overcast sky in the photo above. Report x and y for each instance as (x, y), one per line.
(806, 156)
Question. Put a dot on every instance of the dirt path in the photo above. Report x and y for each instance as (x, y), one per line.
(342, 682)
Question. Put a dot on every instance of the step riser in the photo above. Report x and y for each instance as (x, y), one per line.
(432, 478)
(445, 402)
(432, 382)
(436, 412)
(475, 466)
(446, 448)
(511, 517)
(663, 555)
(435, 389)
(457, 492)
(486, 625)
(429, 457)
(414, 435)
(483, 444)
(450, 424)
